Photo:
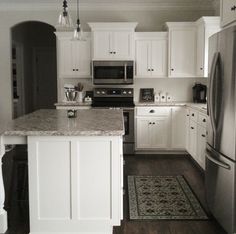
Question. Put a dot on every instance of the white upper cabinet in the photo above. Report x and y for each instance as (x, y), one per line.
(113, 41)
(182, 49)
(73, 57)
(206, 27)
(227, 12)
(151, 55)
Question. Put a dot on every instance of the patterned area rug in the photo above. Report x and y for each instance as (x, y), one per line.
(162, 197)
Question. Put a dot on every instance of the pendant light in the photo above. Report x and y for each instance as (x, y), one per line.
(78, 31)
(64, 20)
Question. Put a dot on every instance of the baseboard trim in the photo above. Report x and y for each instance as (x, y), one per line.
(3, 222)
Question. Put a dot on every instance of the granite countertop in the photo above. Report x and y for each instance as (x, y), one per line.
(56, 123)
(197, 106)
(73, 104)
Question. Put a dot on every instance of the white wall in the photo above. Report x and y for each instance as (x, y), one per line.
(148, 21)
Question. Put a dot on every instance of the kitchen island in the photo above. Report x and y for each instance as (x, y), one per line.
(75, 170)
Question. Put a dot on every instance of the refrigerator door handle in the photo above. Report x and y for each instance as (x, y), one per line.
(220, 164)
(211, 94)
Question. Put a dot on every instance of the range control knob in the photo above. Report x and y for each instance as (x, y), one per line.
(130, 92)
(98, 92)
(124, 92)
(103, 92)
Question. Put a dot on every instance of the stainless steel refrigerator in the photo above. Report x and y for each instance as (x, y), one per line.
(221, 129)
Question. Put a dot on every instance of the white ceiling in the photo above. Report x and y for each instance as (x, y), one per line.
(99, 4)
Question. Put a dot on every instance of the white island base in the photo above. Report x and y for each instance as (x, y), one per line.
(75, 184)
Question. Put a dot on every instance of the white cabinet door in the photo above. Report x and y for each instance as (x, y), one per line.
(182, 52)
(122, 45)
(193, 139)
(159, 133)
(65, 59)
(83, 58)
(142, 58)
(187, 118)
(159, 58)
(228, 12)
(112, 45)
(102, 45)
(143, 133)
(74, 58)
(200, 50)
(201, 146)
(178, 133)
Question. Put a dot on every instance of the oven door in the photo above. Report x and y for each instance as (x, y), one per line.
(113, 72)
(129, 131)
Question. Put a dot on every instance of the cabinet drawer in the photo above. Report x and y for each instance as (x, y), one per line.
(193, 115)
(202, 119)
(153, 111)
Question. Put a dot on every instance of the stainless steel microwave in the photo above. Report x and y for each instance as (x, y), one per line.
(113, 72)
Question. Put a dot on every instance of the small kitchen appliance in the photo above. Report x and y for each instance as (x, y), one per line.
(199, 93)
(113, 72)
(122, 98)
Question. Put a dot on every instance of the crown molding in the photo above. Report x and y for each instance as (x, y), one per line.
(198, 5)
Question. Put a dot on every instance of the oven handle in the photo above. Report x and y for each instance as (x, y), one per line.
(125, 78)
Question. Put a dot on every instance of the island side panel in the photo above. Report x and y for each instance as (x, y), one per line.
(75, 184)
(3, 213)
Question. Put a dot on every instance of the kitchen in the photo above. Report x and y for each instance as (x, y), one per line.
(156, 65)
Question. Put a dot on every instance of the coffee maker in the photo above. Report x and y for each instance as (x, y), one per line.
(199, 93)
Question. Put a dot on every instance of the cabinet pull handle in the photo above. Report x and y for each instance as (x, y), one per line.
(233, 8)
(151, 111)
(204, 120)
(203, 135)
(192, 127)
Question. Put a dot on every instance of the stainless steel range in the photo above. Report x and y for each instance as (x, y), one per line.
(122, 98)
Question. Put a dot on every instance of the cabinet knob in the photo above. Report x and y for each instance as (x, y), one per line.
(149, 69)
(204, 120)
(172, 69)
(73, 69)
(111, 52)
(233, 8)
(149, 123)
(153, 123)
(77, 69)
(152, 111)
(152, 69)
(203, 135)
(192, 127)
(114, 52)
(193, 115)
(187, 115)
(201, 68)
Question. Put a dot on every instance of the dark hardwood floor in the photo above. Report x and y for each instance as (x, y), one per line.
(167, 165)
(18, 211)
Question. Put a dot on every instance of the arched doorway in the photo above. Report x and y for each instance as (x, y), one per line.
(34, 76)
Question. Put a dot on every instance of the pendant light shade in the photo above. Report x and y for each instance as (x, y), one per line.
(78, 31)
(64, 20)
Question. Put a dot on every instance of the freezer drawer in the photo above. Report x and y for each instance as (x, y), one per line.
(220, 188)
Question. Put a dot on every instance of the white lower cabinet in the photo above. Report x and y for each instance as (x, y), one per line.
(193, 138)
(196, 135)
(171, 129)
(152, 133)
(201, 146)
(178, 125)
